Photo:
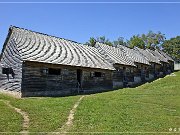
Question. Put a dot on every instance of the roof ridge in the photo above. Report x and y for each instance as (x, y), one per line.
(12, 26)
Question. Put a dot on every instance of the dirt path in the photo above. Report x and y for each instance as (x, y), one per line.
(70, 117)
(25, 116)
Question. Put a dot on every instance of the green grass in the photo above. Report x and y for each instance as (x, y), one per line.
(152, 107)
(9, 120)
(46, 114)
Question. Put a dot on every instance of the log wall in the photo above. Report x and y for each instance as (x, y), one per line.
(36, 82)
(118, 77)
(91, 83)
(123, 78)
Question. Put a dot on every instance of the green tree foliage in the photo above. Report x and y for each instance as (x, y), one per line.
(104, 40)
(119, 41)
(91, 42)
(153, 40)
(137, 41)
(172, 47)
(150, 40)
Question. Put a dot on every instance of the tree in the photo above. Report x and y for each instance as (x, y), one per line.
(150, 40)
(160, 37)
(153, 40)
(103, 40)
(91, 42)
(172, 47)
(119, 41)
(137, 41)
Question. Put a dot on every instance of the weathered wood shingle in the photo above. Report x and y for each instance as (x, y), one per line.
(114, 55)
(166, 55)
(160, 57)
(148, 55)
(135, 55)
(38, 47)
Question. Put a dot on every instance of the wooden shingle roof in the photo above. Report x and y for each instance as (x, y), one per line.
(135, 55)
(160, 57)
(38, 47)
(114, 55)
(166, 55)
(149, 56)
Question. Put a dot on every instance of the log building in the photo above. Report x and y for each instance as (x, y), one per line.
(141, 72)
(37, 64)
(124, 65)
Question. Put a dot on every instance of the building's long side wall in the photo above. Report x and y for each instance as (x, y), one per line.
(118, 75)
(36, 82)
(91, 83)
(122, 76)
(11, 59)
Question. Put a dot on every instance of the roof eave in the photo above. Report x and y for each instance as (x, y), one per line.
(111, 69)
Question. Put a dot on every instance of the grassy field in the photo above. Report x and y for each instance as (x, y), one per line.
(46, 114)
(9, 120)
(152, 107)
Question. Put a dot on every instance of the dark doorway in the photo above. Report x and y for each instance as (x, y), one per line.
(79, 80)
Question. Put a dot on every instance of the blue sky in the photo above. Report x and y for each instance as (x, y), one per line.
(78, 22)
